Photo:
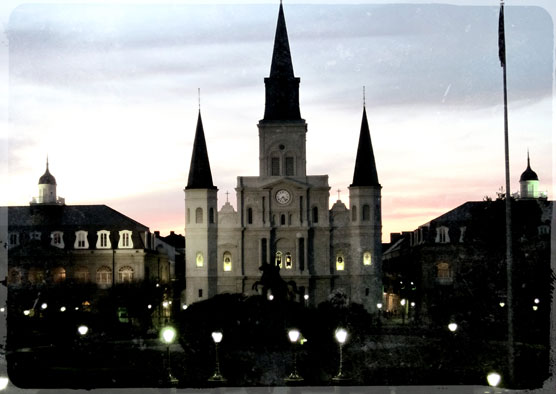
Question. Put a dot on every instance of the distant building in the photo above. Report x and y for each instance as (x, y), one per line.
(51, 242)
(454, 266)
(283, 216)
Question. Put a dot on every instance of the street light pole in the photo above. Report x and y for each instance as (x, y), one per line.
(294, 337)
(341, 336)
(217, 376)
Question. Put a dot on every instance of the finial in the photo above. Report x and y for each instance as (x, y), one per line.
(227, 195)
(363, 95)
(338, 194)
(528, 162)
(47, 161)
(199, 97)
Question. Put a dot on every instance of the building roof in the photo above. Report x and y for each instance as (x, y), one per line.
(282, 87)
(528, 174)
(59, 217)
(200, 176)
(365, 173)
(47, 178)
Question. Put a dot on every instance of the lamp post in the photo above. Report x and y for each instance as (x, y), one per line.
(294, 335)
(341, 336)
(217, 377)
(168, 334)
(493, 379)
(452, 327)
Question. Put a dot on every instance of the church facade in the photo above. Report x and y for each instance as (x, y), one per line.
(283, 217)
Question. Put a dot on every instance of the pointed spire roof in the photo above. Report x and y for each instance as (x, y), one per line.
(47, 178)
(528, 174)
(282, 87)
(200, 176)
(365, 173)
(281, 57)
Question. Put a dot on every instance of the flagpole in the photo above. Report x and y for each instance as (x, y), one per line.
(509, 251)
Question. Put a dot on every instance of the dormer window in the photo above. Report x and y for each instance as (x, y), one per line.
(125, 240)
(81, 241)
(13, 240)
(57, 239)
(35, 235)
(103, 239)
(442, 236)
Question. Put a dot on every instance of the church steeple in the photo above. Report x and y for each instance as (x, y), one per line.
(365, 173)
(200, 176)
(282, 87)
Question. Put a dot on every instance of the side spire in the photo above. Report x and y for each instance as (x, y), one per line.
(200, 176)
(282, 87)
(365, 173)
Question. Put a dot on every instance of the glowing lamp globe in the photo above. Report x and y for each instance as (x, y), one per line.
(82, 330)
(341, 335)
(293, 335)
(217, 336)
(168, 334)
(493, 379)
(452, 327)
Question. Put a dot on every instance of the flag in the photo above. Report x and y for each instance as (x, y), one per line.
(501, 38)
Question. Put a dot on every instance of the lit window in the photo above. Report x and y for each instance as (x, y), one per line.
(199, 260)
(340, 262)
(125, 274)
(103, 239)
(275, 166)
(14, 276)
(366, 212)
(104, 276)
(227, 261)
(125, 239)
(289, 264)
(81, 274)
(81, 241)
(58, 275)
(443, 273)
(57, 239)
(199, 215)
(36, 275)
(13, 240)
(289, 166)
(279, 259)
(367, 258)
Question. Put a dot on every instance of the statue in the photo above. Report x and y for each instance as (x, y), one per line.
(271, 280)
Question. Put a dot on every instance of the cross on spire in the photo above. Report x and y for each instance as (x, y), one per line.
(227, 195)
(339, 191)
(363, 95)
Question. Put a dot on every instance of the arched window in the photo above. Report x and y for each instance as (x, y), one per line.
(282, 219)
(199, 215)
(340, 262)
(199, 260)
(315, 214)
(125, 274)
(367, 258)
(279, 259)
(14, 276)
(36, 275)
(289, 263)
(58, 275)
(366, 212)
(211, 215)
(275, 166)
(249, 215)
(81, 274)
(104, 276)
(227, 262)
(289, 166)
(354, 213)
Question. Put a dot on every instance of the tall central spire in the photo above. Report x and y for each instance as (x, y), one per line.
(282, 87)
(365, 173)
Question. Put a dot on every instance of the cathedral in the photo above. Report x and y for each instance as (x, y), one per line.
(283, 217)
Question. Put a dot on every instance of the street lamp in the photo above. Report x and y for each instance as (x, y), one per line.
(217, 377)
(493, 379)
(341, 336)
(82, 330)
(167, 335)
(452, 327)
(294, 335)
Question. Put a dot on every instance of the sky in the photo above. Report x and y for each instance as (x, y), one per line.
(109, 91)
